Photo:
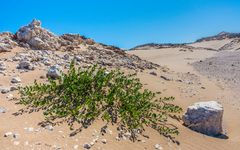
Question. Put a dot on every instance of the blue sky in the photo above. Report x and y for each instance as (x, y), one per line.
(126, 23)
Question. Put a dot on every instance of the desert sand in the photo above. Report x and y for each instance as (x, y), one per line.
(181, 62)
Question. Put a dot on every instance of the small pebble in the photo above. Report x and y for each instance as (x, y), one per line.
(104, 141)
(158, 147)
(87, 146)
(75, 147)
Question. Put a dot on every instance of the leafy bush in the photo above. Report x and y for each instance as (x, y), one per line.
(85, 95)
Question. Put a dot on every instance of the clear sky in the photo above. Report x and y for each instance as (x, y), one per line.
(126, 23)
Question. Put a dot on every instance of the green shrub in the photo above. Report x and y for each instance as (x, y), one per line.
(85, 95)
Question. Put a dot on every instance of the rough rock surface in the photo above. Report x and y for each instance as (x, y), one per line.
(53, 72)
(16, 80)
(2, 66)
(37, 37)
(25, 65)
(6, 42)
(205, 117)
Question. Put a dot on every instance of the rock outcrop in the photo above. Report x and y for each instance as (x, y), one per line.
(36, 37)
(205, 117)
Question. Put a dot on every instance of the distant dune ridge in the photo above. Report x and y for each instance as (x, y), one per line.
(219, 42)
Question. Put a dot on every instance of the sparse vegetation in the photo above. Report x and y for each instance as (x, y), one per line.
(86, 95)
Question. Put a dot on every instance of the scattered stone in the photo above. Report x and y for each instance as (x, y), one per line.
(2, 110)
(117, 138)
(49, 127)
(16, 135)
(25, 65)
(2, 66)
(53, 72)
(78, 58)
(205, 117)
(46, 62)
(5, 90)
(92, 143)
(158, 147)
(8, 134)
(75, 147)
(16, 80)
(9, 96)
(29, 129)
(165, 78)
(143, 141)
(87, 146)
(13, 88)
(104, 141)
(153, 73)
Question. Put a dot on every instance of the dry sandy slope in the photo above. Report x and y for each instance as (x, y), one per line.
(179, 61)
(214, 44)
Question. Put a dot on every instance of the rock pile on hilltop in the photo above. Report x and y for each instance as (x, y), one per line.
(36, 37)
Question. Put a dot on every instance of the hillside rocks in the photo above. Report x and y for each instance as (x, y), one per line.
(205, 117)
(37, 37)
(84, 50)
(6, 42)
(25, 65)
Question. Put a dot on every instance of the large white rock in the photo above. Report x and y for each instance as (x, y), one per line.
(38, 37)
(205, 117)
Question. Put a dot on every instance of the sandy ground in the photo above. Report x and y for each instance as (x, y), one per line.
(193, 87)
(179, 61)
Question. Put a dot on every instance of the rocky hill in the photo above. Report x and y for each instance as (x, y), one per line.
(34, 37)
